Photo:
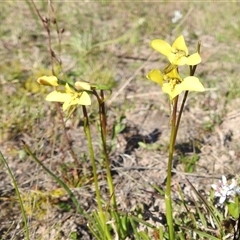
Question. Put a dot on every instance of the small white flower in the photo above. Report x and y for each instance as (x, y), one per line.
(177, 15)
(223, 190)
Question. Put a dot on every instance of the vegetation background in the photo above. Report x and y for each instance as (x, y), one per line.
(108, 42)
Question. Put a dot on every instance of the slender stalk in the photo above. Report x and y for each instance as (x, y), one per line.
(94, 169)
(92, 157)
(46, 22)
(192, 70)
(103, 116)
(103, 124)
(103, 127)
(24, 216)
(168, 198)
(174, 130)
(180, 115)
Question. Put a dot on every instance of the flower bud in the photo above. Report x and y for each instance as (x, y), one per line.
(48, 81)
(82, 86)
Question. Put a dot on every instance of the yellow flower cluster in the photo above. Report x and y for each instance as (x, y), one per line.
(169, 80)
(71, 96)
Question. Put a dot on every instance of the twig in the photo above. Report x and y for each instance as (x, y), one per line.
(46, 21)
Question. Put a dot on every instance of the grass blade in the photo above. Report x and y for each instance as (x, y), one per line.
(24, 216)
(57, 179)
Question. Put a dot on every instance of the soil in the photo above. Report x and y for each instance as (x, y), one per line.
(209, 130)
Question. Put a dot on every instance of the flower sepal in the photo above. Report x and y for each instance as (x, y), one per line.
(173, 84)
(177, 54)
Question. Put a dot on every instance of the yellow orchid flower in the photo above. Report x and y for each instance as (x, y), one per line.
(48, 81)
(173, 84)
(71, 97)
(177, 54)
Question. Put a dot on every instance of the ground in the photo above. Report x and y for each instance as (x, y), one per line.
(108, 43)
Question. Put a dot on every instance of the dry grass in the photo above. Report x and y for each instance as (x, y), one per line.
(108, 42)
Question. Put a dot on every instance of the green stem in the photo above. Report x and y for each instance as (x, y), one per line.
(103, 126)
(175, 121)
(94, 169)
(180, 115)
(92, 157)
(105, 151)
(168, 198)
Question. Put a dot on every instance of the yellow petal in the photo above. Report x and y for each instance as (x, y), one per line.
(74, 100)
(66, 105)
(161, 46)
(173, 74)
(191, 84)
(79, 85)
(69, 90)
(156, 76)
(194, 59)
(84, 99)
(77, 99)
(180, 61)
(179, 44)
(48, 81)
(56, 96)
(177, 90)
(167, 88)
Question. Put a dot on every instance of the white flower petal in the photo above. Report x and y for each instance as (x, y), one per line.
(214, 186)
(217, 194)
(222, 199)
(224, 180)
